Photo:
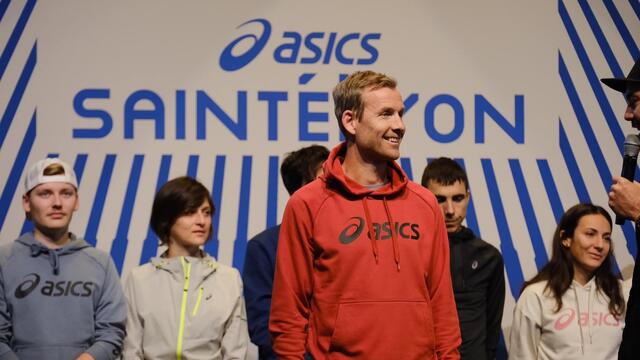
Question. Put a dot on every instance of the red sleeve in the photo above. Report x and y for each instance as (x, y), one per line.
(445, 314)
(293, 282)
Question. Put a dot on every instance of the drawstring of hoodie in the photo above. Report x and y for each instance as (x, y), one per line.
(54, 259)
(590, 296)
(579, 316)
(372, 234)
(394, 236)
(592, 289)
(372, 237)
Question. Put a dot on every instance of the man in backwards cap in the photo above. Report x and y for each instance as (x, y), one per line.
(624, 200)
(60, 298)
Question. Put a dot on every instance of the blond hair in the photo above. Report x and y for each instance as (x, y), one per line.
(347, 95)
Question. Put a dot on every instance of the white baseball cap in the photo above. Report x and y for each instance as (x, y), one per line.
(35, 175)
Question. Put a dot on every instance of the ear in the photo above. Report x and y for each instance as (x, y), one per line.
(75, 208)
(566, 242)
(349, 122)
(26, 206)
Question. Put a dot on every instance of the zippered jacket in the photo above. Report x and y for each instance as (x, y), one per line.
(582, 329)
(363, 273)
(59, 303)
(185, 308)
(477, 273)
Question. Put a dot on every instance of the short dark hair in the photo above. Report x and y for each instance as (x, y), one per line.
(300, 167)
(180, 196)
(444, 171)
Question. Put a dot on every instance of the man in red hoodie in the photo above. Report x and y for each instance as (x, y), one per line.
(362, 270)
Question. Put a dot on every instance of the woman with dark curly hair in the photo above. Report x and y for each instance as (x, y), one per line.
(574, 307)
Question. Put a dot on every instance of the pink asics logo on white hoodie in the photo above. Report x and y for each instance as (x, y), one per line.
(568, 316)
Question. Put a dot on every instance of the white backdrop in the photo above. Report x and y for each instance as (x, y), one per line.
(135, 92)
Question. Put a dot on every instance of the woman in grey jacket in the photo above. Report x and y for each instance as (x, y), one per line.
(183, 304)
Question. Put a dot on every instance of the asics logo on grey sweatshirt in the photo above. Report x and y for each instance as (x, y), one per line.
(27, 286)
(51, 288)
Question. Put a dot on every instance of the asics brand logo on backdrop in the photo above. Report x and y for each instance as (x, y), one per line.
(231, 62)
(299, 48)
(381, 231)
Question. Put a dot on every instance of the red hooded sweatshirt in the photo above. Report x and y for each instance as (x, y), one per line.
(363, 274)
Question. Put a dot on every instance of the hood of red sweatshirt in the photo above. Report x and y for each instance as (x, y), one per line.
(336, 178)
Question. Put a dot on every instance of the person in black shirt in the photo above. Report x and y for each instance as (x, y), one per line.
(624, 200)
(477, 269)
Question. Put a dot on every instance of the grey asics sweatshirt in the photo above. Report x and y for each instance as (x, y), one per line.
(57, 304)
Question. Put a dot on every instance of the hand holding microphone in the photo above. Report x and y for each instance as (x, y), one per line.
(624, 198)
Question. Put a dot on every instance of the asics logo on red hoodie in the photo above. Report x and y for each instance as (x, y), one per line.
(382, 231)
(352, 230)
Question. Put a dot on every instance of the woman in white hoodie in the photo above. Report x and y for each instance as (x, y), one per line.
(183, 304)
(574, 307)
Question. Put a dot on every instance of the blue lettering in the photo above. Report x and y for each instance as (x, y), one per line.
(309, 44)
(305, 116)
(515, 131)
(293, 47)
(458, 118)
(156, 114)
(81, 110)
(409, 101)
(204, 103)
(366, 46)
(317, 49)
(180, 114)
(305, 78)
(146, 104)
(329, 50)
(339, 55)
(272, 98)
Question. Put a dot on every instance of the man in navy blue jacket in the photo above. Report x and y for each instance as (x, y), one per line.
(298, 168)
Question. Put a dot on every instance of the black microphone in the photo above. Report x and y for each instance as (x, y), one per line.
(629, 162)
